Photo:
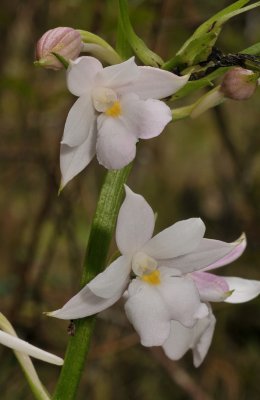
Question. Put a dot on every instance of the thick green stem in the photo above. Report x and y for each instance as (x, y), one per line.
(96, 255)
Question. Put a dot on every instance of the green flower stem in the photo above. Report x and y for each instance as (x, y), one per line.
(96, 256)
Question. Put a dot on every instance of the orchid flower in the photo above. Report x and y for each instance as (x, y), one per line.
(166, 295)
(117, 105)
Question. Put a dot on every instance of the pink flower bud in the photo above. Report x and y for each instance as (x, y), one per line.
(239, 84)
(63, 41)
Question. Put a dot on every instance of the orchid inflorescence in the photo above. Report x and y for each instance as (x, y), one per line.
(165, 280)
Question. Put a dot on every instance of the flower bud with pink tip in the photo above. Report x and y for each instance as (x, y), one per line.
(64, 41)
(239, 83)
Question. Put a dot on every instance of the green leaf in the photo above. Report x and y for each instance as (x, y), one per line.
(253, 50)
(199, 46)
(147, 56)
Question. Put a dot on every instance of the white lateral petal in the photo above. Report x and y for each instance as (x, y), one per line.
(203, 334)
(237, 248)
(198, 338)
(20, 345)
(145, 119)
(74, 159)
(116, 146)
(180, 238)
(84, 304)
(81, 74)
(149, 316)
(207, 253)
(135, 223)
(113, 279)
(155, 83)
(244, 289)
(211, 287)
(118, 76)
(79, 121)
(182, 299)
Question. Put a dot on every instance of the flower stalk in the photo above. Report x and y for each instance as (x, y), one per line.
(96, 256)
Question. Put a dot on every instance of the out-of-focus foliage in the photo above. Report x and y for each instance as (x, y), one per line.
(208, 167)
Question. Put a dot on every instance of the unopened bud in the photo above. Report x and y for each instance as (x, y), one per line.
(66, 42)
(239, 83)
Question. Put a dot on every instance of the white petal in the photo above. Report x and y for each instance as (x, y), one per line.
(84, 304)
(207, 253)
(155, 83)
(116, 146)
(118, 76)
(182, 300)
(135, 223)
(211, 287)
(81, 74)
(79, 122)
(149, 316)
(198, 339)
(180, 238)
(237, 248)
(203, 334)
(74, 159)
(145, 119)
(20, 345)
(244, 289)
(113, 279)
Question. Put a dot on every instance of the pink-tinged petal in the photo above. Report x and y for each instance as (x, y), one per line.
(116, 146)
(149, 316)
(155, 83)
(238, 248)
(79, 122)
(81, 74)
(211, 287)
(84, 304)
(198, 338)
(182, 300)
(207, 253)
(135, 223)
(118, 76)
(243, 289)
(113, 280)
(74, 159)
(180, 238)
(144, 119)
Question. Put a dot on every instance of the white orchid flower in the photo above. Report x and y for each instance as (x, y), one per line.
(165, 288)
(117, 105)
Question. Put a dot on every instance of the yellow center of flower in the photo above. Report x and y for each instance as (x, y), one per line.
(153, 278)
(115, 110)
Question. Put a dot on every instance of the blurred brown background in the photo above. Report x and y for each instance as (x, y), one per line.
(208, 167)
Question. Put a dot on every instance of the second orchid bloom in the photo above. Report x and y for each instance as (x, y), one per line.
(117, 106)
(165, 280)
